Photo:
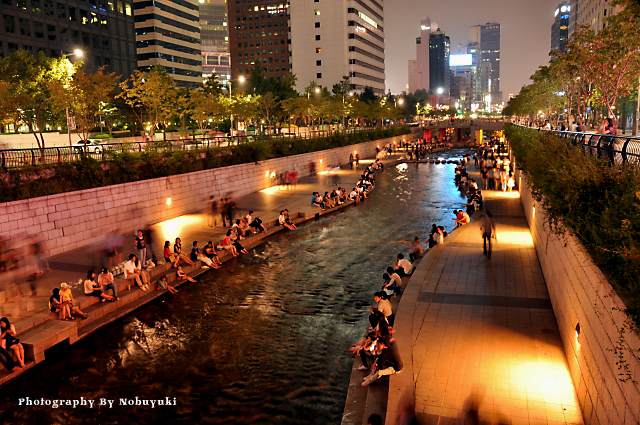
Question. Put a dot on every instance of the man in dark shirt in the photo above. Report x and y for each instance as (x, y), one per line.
(388, 361)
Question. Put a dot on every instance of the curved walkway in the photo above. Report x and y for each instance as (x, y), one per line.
(469, 328)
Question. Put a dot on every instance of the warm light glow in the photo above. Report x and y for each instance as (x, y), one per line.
(317, 89)
(533, 214)
(171, 229)
(271, 190)
(515, 237)
(168, 202)
(241, 79)
(321, 161)
(78, 53)
(266, 174)
(400, 101)
(273, 174)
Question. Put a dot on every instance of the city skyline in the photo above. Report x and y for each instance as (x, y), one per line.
(525, 35)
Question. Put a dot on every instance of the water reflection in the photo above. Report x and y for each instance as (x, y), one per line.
(261, 341)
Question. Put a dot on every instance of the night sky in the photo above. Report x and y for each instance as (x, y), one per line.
(525, 34)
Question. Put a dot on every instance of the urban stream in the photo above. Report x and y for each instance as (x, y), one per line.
(261, 341)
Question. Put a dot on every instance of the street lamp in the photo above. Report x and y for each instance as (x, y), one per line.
(440, 90)
(78, 54)
(241, 80)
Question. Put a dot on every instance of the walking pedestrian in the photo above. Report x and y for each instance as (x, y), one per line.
(223, 211)
(229, 207)
(148, 240)
(488, 230)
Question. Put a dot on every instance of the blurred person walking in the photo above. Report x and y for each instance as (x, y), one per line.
(488, 230)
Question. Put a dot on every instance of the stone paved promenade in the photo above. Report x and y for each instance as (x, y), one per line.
(477, 330)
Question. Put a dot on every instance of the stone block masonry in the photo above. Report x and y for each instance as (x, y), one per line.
(67, 221)
(604, 366)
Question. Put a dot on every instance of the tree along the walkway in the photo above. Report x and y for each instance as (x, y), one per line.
(28, 95)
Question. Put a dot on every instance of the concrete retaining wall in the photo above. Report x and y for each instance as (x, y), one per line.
(71, 220)
(581, 294)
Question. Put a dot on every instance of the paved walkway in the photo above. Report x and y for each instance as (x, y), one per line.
(472, 329)
(72, 266)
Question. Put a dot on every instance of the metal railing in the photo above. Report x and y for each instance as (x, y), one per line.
(614, 149)
(17, 158)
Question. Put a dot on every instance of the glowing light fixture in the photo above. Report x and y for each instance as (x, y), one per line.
(169, 202)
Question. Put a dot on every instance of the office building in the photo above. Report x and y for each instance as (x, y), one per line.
(419, 73)
(168, 35)
(487, 37)
(214, 37)
(215, 61)
(590, 12)
(560, 28)
(439, 71)
(463, 81)
(335, 38)
(103, 30)
(213, 24)
(258, 32)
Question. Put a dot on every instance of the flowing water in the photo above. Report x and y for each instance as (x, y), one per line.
(261, 341)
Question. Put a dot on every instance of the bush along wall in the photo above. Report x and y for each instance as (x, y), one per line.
(598, 202)
(160, 161)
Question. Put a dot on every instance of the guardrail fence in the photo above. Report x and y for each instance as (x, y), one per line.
(16, 158)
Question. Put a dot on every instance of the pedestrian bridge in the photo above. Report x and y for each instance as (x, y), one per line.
(453, 129)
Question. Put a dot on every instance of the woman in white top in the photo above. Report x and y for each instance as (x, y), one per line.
(133, 272)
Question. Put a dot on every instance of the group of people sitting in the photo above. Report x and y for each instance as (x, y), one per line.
(285, 220)
(11, 350)
(465, 182)
(378, 346)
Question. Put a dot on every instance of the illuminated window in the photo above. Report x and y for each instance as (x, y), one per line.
(316, 12)
(127, 9)
(318, 50)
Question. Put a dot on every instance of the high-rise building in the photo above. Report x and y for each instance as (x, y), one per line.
(560, 27)
(590, 12)
(258, 33)
(439, 71)
(335, 38)
(419, 69)
(463, 82)
(216, 62)
(214, 37)
(168, 35)
(488, 38)
(213, 24)
(103, 31)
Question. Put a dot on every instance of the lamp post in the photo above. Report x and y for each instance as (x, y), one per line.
(241, 80)
(78, 54)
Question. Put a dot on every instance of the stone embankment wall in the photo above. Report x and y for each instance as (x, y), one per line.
(580, 294)
(72, 220)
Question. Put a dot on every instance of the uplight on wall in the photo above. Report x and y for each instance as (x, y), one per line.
(266, 174)
(533, 214)
(168, 202)
(578, 334)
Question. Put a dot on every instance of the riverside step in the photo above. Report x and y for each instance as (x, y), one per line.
(35, 341)
(47, 330)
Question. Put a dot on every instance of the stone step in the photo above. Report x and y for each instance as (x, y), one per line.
(35, 341)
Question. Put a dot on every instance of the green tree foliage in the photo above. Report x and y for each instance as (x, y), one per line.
(598, 68)
(28, 95)
(150, 96)
(85, 96)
